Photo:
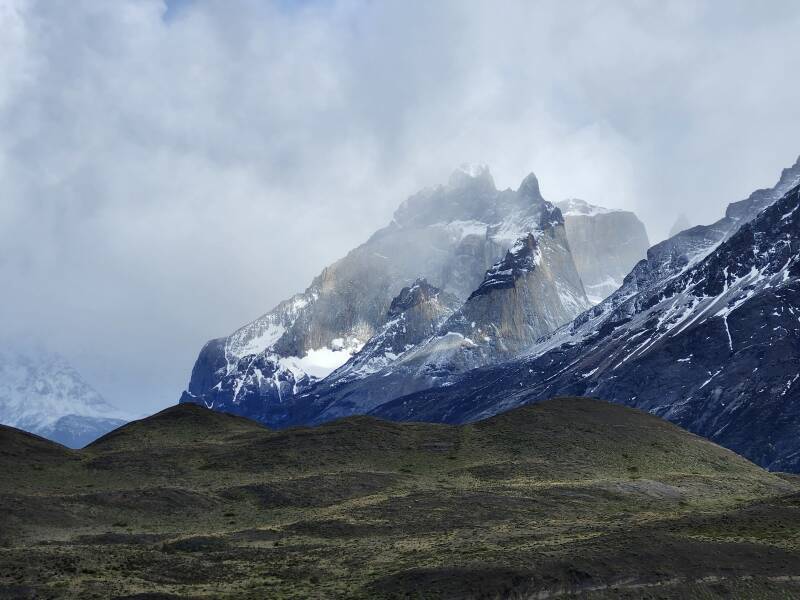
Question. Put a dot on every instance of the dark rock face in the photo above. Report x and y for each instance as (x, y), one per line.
(519, 260)
(605, 244)
(705, 332)
(414, 315)
(449, 235)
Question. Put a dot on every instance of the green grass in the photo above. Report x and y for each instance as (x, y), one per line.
(571, 496)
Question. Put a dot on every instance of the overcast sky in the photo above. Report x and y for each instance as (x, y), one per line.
(169, 171)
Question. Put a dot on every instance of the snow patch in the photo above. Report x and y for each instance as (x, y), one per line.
(260, 342)
(318, 363)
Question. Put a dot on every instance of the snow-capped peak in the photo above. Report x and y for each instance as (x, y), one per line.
(529, 188)
(37, 390)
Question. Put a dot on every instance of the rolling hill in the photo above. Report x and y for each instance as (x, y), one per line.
(567, 496)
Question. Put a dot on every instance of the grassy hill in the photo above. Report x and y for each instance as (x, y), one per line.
(570, 496)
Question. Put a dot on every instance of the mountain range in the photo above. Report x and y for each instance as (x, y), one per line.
(484, 272)
(702, 330)
(451, 453)
(705, 332)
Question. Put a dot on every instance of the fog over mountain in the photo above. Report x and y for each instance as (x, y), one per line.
(169, 170)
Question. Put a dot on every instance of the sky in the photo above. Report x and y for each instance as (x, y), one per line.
(171, 170)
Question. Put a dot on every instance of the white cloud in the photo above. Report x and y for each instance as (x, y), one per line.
(166, 177)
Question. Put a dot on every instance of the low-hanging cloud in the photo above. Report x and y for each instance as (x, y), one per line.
(168, 172)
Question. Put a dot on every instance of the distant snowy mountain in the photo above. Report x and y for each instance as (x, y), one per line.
(605, 244)
(449, 235)
(43, 394)
(704, 332)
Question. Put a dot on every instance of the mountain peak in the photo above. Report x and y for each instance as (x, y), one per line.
(42, 393)
(413, 295)
(529, 188)
(791, 175)
(521, 258)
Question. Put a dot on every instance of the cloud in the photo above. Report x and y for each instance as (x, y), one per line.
(169, 172)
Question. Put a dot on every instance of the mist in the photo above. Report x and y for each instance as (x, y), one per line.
(171, 170)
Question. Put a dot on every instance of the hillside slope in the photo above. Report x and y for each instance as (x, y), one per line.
(567, 496)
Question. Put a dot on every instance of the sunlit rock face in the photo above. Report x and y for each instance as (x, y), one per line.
(523, 297)
(449, 235)
(605, 245)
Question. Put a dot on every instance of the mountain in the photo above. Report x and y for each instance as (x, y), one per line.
(567, 497)
(681, 224)
(414, 315)
(522, 298)
(705, 333)
(41, 393)
(605, 244)
(449, 235)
